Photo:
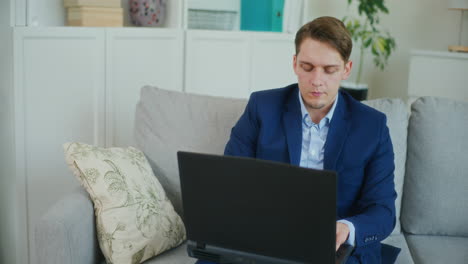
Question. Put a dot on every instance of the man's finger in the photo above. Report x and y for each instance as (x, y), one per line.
(342, 233)
(339, 242)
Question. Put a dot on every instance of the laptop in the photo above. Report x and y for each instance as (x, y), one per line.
(244, 211)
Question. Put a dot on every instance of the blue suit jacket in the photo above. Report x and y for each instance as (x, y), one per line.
(358, 148)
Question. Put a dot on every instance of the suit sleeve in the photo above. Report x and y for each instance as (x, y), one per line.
(375, 218)
(243, 139)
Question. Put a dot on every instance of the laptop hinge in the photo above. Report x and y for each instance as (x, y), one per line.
(200, 245)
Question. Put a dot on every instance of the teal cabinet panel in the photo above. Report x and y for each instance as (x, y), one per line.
(262, 15)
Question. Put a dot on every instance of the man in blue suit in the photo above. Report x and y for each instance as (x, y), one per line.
(313, 124)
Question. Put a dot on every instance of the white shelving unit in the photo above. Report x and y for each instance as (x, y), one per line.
(51, 13)
(71, 84)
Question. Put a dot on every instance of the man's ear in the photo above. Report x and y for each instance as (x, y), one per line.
(347, 70)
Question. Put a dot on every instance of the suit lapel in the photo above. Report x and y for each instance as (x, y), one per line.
(337, 134)
(292, 127)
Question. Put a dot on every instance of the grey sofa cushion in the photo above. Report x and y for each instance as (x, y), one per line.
(397, 122)
(438, 249)
(399, 240)
(435, 198)
(201, 124)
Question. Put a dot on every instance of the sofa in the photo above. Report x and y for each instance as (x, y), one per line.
(431, 174)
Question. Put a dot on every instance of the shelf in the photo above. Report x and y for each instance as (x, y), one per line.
(52, 13)
(443, 54)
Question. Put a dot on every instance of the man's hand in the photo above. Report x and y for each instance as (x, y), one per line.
(342, 233)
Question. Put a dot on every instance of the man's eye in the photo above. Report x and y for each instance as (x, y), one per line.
(306, 67)
(331, 71)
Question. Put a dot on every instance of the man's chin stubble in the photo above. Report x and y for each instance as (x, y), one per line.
(316, 106)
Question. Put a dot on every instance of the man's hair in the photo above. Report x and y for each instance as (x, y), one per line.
(327, 30)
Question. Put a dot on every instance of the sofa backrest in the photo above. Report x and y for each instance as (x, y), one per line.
(397, 121)
(169, 121)
(435, 198)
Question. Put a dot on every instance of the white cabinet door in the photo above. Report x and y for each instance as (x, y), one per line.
(59, 97)
(442, 74)
(218, 63)
(234, 64)
(272, 63)
(138, 57)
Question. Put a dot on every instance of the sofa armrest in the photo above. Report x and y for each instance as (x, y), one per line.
(66, 233)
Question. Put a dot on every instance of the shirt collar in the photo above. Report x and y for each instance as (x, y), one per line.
(305, 115)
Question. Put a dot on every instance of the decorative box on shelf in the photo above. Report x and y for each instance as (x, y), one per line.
(91, 3)
(94, 13)
(211, 19)
(95, 17)
(213, 14)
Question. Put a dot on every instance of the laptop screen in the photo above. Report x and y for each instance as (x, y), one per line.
(260, 207)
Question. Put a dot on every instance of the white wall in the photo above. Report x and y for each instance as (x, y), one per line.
(4, 12)
(415, 24)
(6, 219)
(6, 250)
(7, 181)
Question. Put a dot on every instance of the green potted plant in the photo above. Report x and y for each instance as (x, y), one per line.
(368, 35)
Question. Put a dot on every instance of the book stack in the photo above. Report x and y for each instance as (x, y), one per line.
(94, 13)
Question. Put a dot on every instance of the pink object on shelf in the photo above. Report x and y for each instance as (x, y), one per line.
(147, 13)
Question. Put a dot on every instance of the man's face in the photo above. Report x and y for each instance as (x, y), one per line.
(319, 69)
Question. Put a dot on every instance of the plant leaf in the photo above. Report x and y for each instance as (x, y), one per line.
(367, 43)
(381, 43)
(368, 33)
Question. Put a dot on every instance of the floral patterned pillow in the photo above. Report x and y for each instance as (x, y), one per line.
(135, 220)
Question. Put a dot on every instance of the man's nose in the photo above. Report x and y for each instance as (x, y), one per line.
(316, 78)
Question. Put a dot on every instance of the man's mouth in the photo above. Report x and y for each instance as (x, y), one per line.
(316, 94)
